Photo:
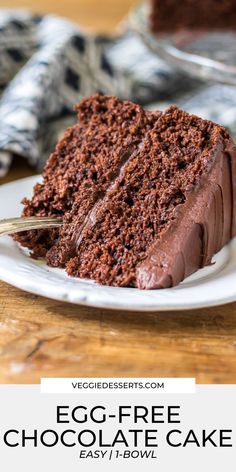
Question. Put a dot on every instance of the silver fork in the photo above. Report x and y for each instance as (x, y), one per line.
(15, 225)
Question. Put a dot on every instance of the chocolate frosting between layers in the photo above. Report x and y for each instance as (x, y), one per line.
(202, 226)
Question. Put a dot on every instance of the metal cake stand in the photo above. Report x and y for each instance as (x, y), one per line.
(210, 56)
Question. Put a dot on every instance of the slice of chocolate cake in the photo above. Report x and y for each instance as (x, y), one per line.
(147, 198)
(172, 15)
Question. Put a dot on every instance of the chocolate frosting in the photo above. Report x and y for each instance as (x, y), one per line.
(202, 226)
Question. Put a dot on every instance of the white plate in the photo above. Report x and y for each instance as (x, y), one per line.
(210, 286)
(204, 55)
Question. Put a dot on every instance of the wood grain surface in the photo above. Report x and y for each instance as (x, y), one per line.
(44, 338)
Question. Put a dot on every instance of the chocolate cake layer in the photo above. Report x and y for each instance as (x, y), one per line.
(172, 15)
(85, 161)
(161, 204)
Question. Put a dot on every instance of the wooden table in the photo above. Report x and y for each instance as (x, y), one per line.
(40, 337)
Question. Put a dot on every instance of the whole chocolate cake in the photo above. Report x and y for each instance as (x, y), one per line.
(147, 198)
(169, 15)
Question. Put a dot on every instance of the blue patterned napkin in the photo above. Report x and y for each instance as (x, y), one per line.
(47, 64)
